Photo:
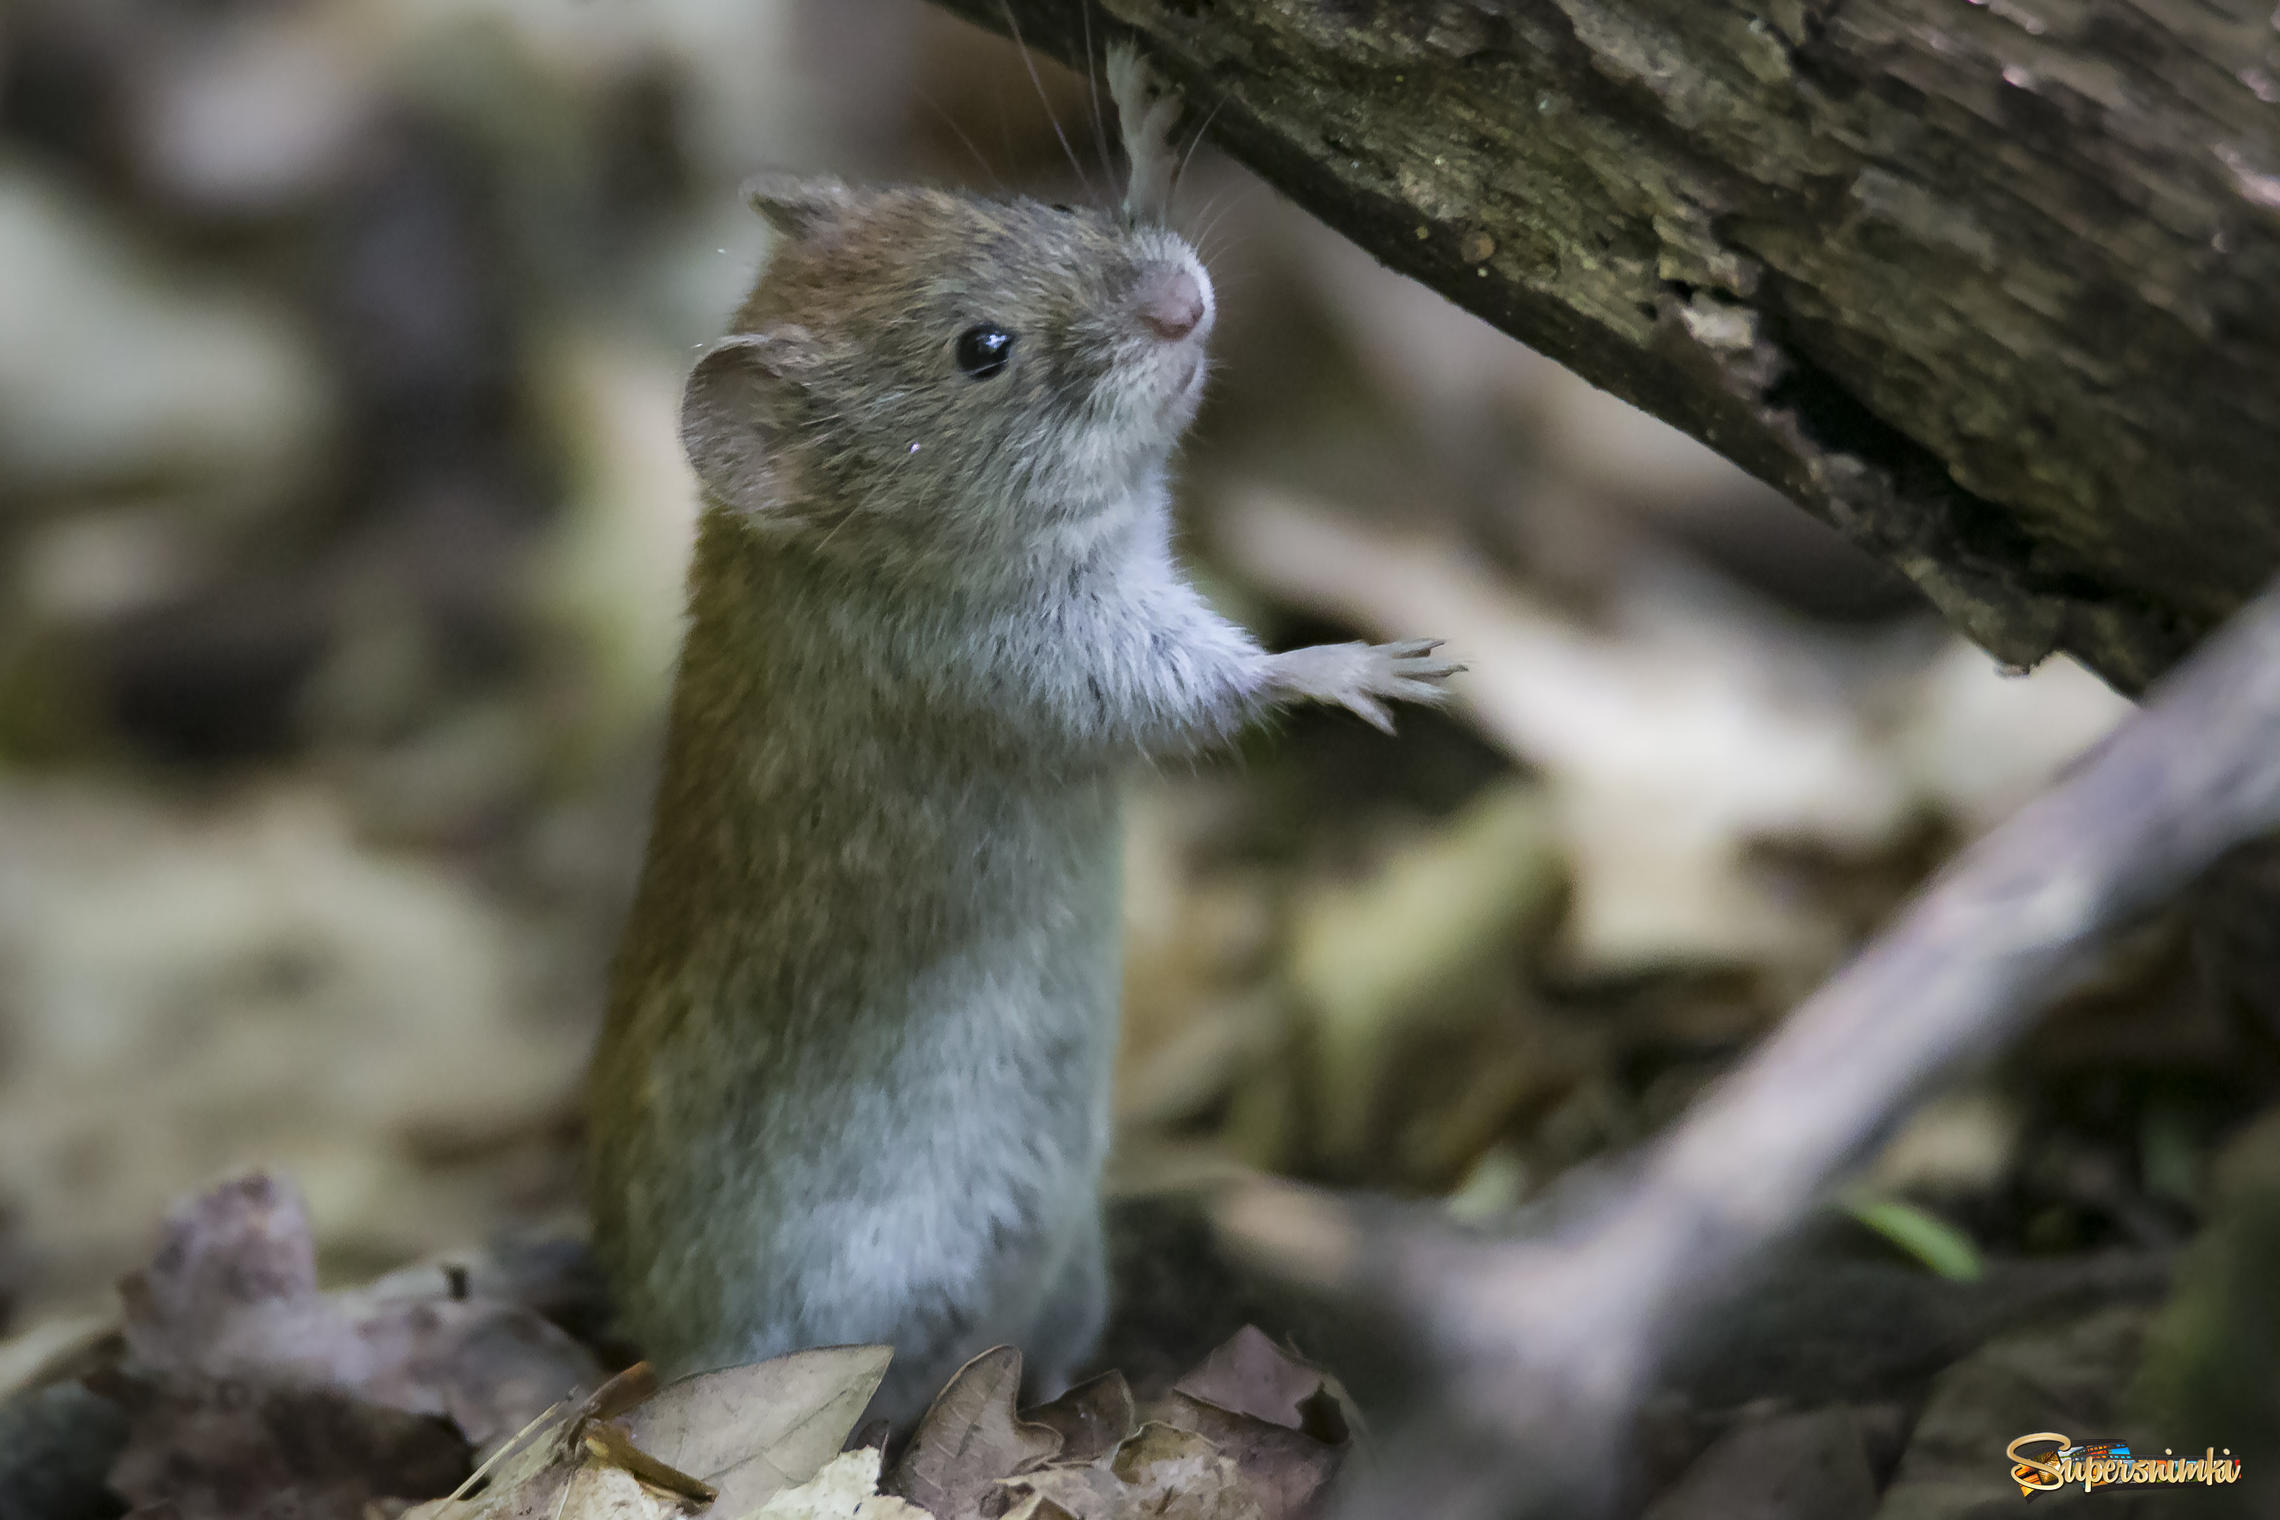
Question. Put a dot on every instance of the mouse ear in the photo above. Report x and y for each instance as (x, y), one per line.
(797, 205)
(733, 406)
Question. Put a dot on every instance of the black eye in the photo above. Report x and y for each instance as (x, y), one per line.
(983, 350)
(1065, 210)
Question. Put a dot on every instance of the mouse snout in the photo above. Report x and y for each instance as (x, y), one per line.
(1172, 301)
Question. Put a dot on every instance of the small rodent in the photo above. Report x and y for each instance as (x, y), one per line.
(854, 1082)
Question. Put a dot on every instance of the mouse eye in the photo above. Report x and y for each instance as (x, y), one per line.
(983, 350)
(1065, 210)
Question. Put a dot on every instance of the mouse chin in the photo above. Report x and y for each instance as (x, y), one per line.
(1191, 387)
(1151, 404)
(1179, 387)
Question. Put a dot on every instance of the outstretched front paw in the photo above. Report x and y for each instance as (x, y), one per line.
(1362, 677)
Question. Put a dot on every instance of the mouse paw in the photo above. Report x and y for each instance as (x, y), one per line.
(1362, 677)
(1146, 112)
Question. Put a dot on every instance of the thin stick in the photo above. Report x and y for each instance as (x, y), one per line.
(511, 1444)
(1544, 1345)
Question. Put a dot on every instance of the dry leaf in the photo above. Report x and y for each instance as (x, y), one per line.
(748, 1432)
(231, 1296)
(846, 1489)
(755, 1430)
(604, 1491)
(1426, 940)
(573, 1467)
(1082, 1492)
(56, 1351)
(1159, 1473)
(970, 1438)
(523, 1478)
(1092, 1418)
(250, 1392)
(605, 1442)
(1178, 1475)
(543, 1454)
(213, 1450)
(1664, 749)
(1250, 1374)
(1288, 1471)
(1038, 1507)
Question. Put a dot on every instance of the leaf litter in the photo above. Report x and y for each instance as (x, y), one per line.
(250, 1392)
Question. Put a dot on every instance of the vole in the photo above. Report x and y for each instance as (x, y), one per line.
(854, 1080)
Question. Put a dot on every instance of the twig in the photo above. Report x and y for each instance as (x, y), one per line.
(1544, 1345)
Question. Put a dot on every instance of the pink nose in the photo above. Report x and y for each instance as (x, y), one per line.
(1171, 301)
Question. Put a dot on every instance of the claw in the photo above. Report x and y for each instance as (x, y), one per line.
(1371, 711)
(1429, 693)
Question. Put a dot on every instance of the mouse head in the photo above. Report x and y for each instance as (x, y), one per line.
(939, 379)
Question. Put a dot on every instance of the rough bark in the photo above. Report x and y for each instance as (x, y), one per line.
(1991, 285)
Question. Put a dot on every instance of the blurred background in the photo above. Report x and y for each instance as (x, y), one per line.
(342, 522)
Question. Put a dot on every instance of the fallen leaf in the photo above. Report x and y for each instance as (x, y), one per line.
(1425, 941)
(549, 1446)
(755, 1430)
(573, 1468)
(605, 1442)
(231, 1296)
(1663, 744)
(1178, 1475)
(1080, 1491)
(1038, 1507)
(1250, 1374)
(604, 1491)
(1288, 1471)
(1159, 1471)
(232, 1289)
(846, 1489)
(214, 1450)
(526, 1479)
(351, 1001)
(1092, 1418)
(748, 1432)
(970, 1438)
(58, 1350)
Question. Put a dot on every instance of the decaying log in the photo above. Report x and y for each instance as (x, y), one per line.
(1992, 285)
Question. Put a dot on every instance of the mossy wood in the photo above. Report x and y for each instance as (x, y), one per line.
(1993, 286)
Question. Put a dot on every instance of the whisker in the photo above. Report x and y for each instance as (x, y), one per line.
(1030, 64)
(1092, 84)
(1232, 202)
(1204, 213)
(1196, 142)
(960, 133)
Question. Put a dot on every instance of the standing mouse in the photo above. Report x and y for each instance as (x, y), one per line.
(855, 1080)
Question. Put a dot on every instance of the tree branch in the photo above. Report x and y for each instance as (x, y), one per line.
(1545, 1344)
(1994, 288)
